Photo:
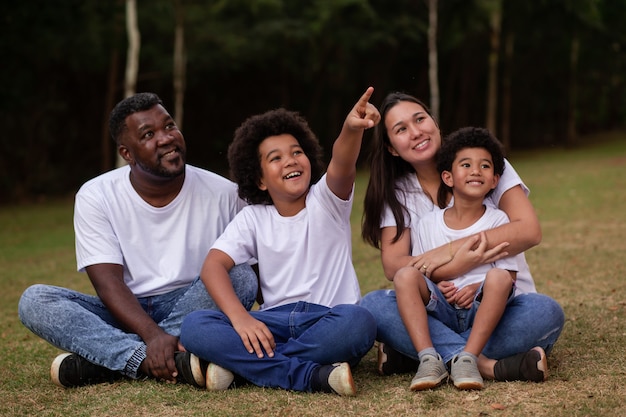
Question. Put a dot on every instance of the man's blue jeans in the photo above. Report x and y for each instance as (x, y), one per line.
(529, 320)
(81, 324)
(306, 335)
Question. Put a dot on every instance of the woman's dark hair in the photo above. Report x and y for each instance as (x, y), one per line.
(130, 105)
(467, 137)
(243, 153)
(385, 170)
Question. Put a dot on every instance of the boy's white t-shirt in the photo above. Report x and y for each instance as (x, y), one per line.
(418, 203)
(433, 232)
(306, 257)
(160, 248)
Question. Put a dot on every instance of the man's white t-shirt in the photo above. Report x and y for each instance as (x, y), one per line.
(432, 232)
(418, 204)
(306, 257)
(160, 248)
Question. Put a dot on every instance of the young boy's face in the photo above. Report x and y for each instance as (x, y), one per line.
(472, 173)
(285, 168)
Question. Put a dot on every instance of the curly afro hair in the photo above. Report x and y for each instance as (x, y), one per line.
(243, 152)
(463, 138)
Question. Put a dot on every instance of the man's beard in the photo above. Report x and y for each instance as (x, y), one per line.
(160, 171)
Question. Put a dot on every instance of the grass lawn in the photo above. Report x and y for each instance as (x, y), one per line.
(580, 199)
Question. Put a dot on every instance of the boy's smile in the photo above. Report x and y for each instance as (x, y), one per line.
(285, 172)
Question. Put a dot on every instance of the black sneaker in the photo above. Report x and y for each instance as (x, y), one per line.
(526, 366)
(70, 370)
(335, 378)
(392, 362)
(191, 369)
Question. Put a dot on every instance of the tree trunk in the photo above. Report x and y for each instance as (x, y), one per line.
(492, 88)
(108, 105)
(505, 129)
(433, 66)
(180, 60)
(132, 56)
(573, 91)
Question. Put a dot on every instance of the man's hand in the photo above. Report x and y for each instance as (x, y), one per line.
(159, 362)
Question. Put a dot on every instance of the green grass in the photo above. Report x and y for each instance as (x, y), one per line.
(580, 199)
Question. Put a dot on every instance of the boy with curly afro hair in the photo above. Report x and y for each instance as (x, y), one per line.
(309, 329)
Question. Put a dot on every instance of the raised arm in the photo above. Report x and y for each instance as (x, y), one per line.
(341, 171)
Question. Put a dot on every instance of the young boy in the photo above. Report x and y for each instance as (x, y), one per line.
(309, 329)
(471, 162)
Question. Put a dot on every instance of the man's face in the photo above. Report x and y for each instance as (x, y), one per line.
(153, 144)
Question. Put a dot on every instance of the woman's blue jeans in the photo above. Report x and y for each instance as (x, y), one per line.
(306, 335)
(529, 320)
(81, 324)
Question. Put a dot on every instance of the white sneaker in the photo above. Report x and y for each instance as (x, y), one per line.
(218, 378)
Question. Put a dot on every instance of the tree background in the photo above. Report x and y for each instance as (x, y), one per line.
(63, 70)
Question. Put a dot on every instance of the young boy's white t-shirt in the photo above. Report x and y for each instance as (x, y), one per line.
(160, 248)
(433, 232)
(418, 204)
(306, 257)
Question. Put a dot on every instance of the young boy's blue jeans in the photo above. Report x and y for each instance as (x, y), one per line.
(529, 320)
(81, 324)
(306, 335)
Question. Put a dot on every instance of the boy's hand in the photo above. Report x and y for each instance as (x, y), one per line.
(364, 115)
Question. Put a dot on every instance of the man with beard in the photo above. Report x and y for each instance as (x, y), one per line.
(142, 233)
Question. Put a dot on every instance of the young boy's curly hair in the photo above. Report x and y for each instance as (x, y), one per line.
(243, 153)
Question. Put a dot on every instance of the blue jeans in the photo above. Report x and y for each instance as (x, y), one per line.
(81, 324)
(529, 320)
(306, 335)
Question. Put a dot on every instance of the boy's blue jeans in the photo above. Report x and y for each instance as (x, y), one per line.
(306, 335)
(529, 320)
(81, 324)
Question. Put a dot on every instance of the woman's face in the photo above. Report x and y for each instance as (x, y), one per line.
(413, 134)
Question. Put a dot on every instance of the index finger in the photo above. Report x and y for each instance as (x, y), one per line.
(365, 98)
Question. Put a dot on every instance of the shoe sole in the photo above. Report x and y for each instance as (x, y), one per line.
(217, 378)
(196, 370)
(424, 385)
(469, 385)
(54, 369)
(542, 363)
(382, 358)
(345, 386)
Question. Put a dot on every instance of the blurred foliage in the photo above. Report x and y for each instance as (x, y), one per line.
(316, 57)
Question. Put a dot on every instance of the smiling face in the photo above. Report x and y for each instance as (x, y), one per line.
(413, 134)
(472, 173)
(285, 171)
(152, 144)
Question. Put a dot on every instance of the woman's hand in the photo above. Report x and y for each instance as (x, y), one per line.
(427, 262)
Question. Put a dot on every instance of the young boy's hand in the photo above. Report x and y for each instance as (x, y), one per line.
(364, 115)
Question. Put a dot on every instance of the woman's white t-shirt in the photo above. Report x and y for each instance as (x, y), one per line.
(417, 203)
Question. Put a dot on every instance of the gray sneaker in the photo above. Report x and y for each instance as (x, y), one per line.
(430, 374)
(464, 373)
